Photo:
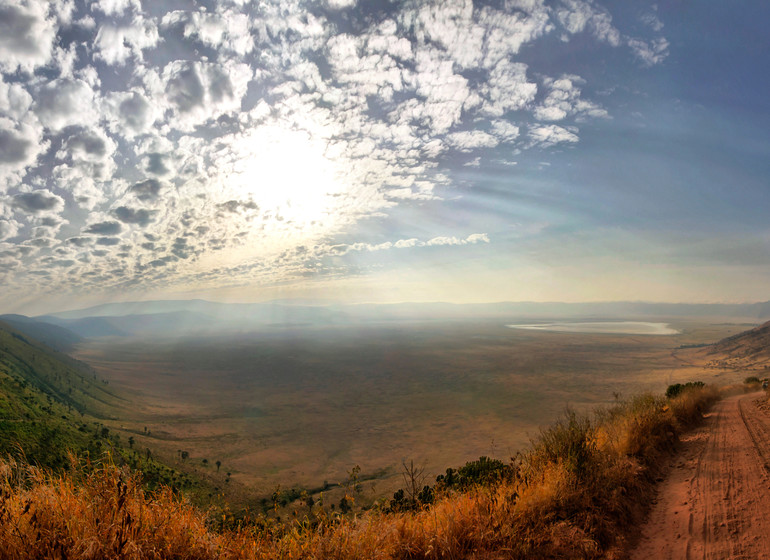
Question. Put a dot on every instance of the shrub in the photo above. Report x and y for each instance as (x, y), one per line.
(678, 388)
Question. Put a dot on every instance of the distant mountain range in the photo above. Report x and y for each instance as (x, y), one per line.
(180, 317)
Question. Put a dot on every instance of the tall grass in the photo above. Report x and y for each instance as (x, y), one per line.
(573, 494)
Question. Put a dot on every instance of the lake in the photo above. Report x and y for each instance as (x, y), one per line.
(602, 327)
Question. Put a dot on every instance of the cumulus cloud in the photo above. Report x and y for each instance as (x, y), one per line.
(250, 129)
(128, 215)
(470, 140)
(650, 53)
(27, 35)
(104, 228)
(66, 102)
(38, 201)
(198, 91)
(8, 229)
(549, 135)
(16, 148)
(116, 44)
(146, 190)
(564, 100)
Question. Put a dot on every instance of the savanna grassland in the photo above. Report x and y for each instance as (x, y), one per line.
(302, 407)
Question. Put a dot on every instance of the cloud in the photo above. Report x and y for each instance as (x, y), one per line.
(147, 190)
(26, 35)
(115, 45)
(107, 241)
(577, 16)
(250, 129)
(225, 28)
(131, 113)
(340, 4)
(564, 100)
(549, 135)
(468, 141)
(15, 100)
(38, 201)
(8, 229)
(104, 228)
(66, 102)
(87, 145)
(650, 53)
(80, 241)
(15, 148)
(470, 240)
(340, 250)
(128, 215)
(198, 91)
(115, 7)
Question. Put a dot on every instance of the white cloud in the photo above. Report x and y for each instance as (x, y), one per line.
(507, 89)
(21, 144)
(470, 140)
(26, 35)
(225, 28)
(198, 91)
(131, 113)
(116, 44)
(8, 229)
(563, 100)
(650, 53)
(340, 4)
(545, 136)
(577, 16)
(451, 25)
(15, 100)
(66, 102)
(505, 131)
(115, 7)
(247, 130)
(339, 250)
(39, 201)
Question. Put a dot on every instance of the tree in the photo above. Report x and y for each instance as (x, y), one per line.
(131, 442)
(219, 464)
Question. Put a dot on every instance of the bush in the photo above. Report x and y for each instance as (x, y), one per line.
(569, 442)
(679, 388)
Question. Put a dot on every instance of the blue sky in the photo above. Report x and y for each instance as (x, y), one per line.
(383, 151)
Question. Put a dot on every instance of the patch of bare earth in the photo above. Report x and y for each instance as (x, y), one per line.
(715, 502)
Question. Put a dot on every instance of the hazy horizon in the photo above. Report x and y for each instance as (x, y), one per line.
(457, 151)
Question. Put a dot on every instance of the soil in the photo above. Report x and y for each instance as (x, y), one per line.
(715, 501)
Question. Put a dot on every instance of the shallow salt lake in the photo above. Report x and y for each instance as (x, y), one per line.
(601, 327)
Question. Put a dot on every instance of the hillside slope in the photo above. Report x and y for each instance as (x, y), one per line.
(49, 403)
(753, 345)
(52, 335)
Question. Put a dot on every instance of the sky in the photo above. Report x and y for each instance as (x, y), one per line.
(343, 150)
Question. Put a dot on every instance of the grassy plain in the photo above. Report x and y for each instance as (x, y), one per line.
(301, 407)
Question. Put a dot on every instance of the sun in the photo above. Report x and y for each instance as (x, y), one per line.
(286, 173)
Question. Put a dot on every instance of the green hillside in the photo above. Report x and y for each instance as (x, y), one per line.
(49, 403)
(53, 406)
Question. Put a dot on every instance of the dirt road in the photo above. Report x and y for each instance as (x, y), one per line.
(715, 502)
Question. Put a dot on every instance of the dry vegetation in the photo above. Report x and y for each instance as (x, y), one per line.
(574, 494)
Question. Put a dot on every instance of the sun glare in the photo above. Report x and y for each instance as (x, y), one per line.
(287, 175)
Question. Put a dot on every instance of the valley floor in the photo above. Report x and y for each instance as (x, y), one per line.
(715, 502)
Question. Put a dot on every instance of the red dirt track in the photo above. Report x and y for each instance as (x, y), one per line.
(715, 502)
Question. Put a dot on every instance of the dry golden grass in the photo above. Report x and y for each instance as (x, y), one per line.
(573, 495)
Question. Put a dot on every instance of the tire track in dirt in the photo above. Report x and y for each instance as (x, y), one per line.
(715, 502)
